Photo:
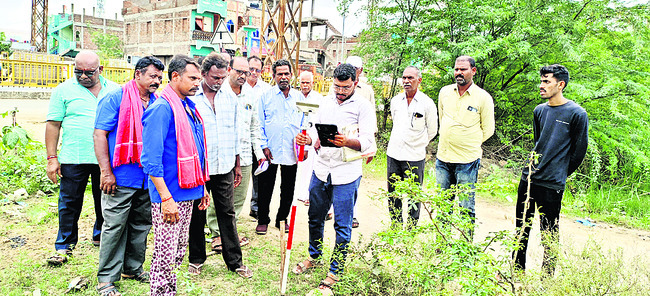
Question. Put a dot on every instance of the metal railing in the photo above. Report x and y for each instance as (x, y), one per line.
(20, 73)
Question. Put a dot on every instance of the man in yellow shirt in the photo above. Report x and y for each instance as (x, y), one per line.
(466, 120)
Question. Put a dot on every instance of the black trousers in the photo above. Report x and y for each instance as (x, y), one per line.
(266, 185)
(548, 202)
(222, 188)
(399, 169)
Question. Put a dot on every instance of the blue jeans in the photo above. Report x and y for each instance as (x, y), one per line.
(448, 174)
(71, 196)
(321, 196)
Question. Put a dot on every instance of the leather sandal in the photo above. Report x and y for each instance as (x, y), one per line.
(108, 290)
(328, 282)
(144, 277)
(303, 266)
(244, 271)
(59, 258)
(195, 268)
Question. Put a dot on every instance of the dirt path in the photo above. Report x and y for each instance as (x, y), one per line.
(373, 215)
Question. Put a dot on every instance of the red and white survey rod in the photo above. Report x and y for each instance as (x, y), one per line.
(301, 153)
(285, 272)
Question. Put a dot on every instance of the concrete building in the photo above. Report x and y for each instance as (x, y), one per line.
(164, 28)
(68, 33)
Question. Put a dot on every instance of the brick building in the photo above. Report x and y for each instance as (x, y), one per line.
(68, 33)
(164, 28)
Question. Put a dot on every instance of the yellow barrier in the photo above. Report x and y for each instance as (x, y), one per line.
(21, 73)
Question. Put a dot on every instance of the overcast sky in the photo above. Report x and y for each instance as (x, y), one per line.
(15, 20)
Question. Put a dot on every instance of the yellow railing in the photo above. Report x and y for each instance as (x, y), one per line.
(20, 73)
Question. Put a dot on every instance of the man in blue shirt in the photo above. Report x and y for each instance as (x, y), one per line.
(125, 203)
(279, 124)
(172, 133)
(72, 113)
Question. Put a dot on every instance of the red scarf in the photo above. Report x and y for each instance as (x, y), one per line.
(128, 138)
(190, 174)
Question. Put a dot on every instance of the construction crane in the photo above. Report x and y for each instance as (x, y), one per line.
(39, 25)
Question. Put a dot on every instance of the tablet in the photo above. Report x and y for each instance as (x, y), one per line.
(325, 132)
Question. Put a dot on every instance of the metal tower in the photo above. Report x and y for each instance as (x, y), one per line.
(39, 25)
(284, 18)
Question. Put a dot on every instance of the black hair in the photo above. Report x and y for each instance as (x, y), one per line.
(471, 60)
(213, 60)
(143, 63)
(561, 73)
(344, 72)
(280, 63)
(254, 57)
(178, 64)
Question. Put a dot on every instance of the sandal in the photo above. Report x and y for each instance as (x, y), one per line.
(108, 290)
(216, 244)
(243, 241)
(355, 223)
(244, 271)
(195, 268)
(328, 282)
(144, 277)
(302, 267)
(59, 258)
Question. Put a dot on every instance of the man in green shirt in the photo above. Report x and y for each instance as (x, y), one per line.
(72, 110)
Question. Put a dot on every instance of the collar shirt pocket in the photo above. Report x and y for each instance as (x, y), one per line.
(469, 115)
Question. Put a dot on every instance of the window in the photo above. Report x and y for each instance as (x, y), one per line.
(77, 36)
(231, 26)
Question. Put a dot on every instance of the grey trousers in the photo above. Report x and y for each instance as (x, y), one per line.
(240, 194)
(127, 221)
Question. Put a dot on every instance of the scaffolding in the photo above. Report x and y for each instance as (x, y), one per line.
(39, 25)
(284, 18)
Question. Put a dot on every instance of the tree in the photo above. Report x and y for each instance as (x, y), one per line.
(109, 46)
(604, 43)
(5, 46)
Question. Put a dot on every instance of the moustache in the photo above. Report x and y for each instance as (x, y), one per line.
(156, 85)
(460, 76)
(194, 89)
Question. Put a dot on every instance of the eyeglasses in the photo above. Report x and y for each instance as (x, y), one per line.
(89, 73)
(253, 70)
(344, 88)
(241, 72)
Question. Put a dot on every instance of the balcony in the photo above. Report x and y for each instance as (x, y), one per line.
(202, 35)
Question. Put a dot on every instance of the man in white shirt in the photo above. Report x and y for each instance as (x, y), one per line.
(336, 181)
(255, 87)
(415, 124)
(305, 167)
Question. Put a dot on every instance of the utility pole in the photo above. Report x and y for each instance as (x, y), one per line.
(39, 25)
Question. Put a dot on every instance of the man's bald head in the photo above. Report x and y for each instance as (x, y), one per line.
(87, 68)
(86, 58)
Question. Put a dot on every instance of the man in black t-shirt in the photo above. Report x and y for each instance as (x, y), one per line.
(560, 129)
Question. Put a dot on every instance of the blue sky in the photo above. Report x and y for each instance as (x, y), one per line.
(15, 21)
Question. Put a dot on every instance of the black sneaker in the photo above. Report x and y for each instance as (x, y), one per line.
(253, 214)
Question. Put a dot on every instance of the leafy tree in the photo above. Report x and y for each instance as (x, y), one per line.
(604, 43)
(4, 45)
(109, 46)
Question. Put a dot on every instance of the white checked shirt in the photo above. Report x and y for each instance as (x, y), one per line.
(355, 110)
(414, 125)
(256, 91)
(248, 126)
(221, 135)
